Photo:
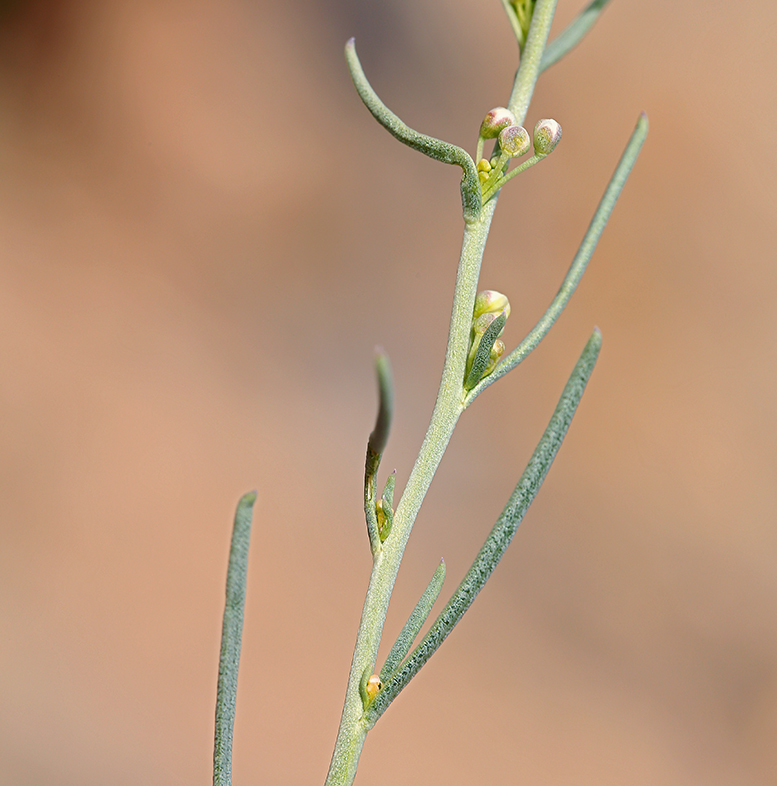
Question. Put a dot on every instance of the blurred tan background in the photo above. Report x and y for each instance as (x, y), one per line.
(203, 236)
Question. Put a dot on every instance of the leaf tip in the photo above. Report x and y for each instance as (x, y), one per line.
(247, 500)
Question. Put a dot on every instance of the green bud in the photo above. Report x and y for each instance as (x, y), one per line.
(497, 119)
(481, 324)
(496, 352)
(488, 322)
(490, 301)
(483, 352)
(385, 517)
(483, 168)
(547, 134)
(514, 141)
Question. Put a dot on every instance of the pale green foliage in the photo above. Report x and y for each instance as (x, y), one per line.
(474, 360)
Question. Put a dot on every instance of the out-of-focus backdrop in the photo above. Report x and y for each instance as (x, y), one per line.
(203, 236)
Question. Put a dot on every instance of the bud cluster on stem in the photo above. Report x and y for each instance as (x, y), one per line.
(512, 141)
(489, 315)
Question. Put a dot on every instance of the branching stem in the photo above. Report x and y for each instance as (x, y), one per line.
(452, 399)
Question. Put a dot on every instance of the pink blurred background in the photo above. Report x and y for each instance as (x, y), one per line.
(204, 234)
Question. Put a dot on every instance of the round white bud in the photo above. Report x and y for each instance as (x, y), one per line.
(497, 119)
(514, 141)
(547, 134)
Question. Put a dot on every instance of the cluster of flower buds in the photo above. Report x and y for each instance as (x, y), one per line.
(490, 306)
(513, 142)
(484, 169)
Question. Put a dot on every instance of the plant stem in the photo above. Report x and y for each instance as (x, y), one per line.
(531, 59)
(447, 410)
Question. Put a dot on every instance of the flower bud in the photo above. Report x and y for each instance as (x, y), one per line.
(490, 301)
(547, 134)
(385, 517)
(496, 352)
(514, 141)
(373, 686)
(483, 168)
(495, 121)
(485, 347)
(481, 324)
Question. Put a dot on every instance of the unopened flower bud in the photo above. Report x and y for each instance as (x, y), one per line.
(497, 119)
(483, 169)
(547, 134)
(490, 301)
(496, 352)
(514, 141)
(480, 325)
(485, 347)
(483, 322)
(385, 517)
(373, 686)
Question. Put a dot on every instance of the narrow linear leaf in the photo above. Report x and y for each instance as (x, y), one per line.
(579, 263)
(414, 623)
(380, 434)
(514, 22)
(385, 508)
(500, 536)
(231, 636)
(573, 34)
(483, 352)
(388, 490)
(370, 513)
(377, 444)
(434, 148)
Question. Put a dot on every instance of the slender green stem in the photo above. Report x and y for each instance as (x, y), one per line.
(448, 408)
(449, 404)
(359, 712)
(531, 57)
(231, 635)
(479, 149)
